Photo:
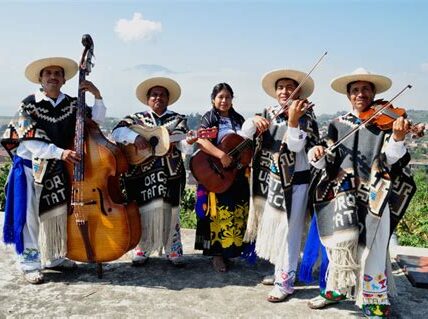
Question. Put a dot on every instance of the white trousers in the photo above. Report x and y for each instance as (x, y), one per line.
(286, 265)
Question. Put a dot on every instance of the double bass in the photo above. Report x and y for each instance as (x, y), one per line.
(101, 227)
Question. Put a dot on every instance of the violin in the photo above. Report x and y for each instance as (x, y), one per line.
(386, 116)
(382, 114)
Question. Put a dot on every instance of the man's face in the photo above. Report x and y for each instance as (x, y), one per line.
(158, 99)
(52, 79)
(361, 95)
(284, 88)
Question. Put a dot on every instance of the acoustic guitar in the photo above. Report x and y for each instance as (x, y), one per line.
(208, 169)
(159, 141)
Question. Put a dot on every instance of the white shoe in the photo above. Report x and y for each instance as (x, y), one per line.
(268, 280)
(34, 277)
(319, 302)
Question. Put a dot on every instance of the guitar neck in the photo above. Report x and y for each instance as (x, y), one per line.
(177, 137)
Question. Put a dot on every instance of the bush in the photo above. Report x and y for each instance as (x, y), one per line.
(187, 209)
(413, 228)
(4, 171)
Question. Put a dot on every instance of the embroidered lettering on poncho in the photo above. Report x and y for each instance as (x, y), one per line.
(158, 177)
(274, 164)
(359, 169)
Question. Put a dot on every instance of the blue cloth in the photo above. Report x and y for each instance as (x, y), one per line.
(249, 253)
(16, 204)
(313, 247)
(201, 204)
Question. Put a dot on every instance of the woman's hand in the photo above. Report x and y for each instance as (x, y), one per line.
(191, 137)
(225, 160)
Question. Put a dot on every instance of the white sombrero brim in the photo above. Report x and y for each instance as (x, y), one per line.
(172, 86)
(32, 71)
(270, 78)
(381, 83)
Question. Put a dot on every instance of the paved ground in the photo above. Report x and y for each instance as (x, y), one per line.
(160, 290)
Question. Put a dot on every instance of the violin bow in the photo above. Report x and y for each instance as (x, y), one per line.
(333, 146)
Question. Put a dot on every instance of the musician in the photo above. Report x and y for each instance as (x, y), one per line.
(37, 139)
(280, 175)
(363, 192)
(157, 184)
(221, 228)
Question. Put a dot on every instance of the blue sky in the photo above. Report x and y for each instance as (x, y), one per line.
(202, 43)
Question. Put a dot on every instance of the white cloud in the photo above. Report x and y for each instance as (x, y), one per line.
(137, 28)
(424, 67)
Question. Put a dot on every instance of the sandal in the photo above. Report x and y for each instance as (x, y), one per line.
(219, 264)
(34, 277)
(276, 295)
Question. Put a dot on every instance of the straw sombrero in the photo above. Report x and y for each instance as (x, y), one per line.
(169, 84)
(32, 71)
(269, 79)
(381, 83)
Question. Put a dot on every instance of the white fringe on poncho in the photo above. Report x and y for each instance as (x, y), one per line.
(158, 224)
(53, 234)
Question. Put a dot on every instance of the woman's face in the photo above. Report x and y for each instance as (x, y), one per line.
(223, 102)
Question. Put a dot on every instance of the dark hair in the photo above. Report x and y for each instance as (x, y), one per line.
(219, 87)
(157, 86)
(41, 71)
(348, 86)
(276, 82)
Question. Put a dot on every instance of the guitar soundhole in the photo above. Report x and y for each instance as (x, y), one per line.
(153, 141)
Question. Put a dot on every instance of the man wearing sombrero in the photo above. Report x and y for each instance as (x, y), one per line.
(362, 194)
(157, 184)
(280, 176)
(37, 191)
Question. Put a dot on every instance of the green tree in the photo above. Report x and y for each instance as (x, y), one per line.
(187, 209)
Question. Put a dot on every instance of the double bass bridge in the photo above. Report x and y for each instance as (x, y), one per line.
(91, 202)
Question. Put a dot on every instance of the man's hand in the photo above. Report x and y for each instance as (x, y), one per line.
(296, 111)
(140, 143)
(318, 153)
(70, 156)
(261, 123)
(90, 87)
(400, 128)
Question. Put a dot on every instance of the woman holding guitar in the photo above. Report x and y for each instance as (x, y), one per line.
(222, 220)
(157, 184)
